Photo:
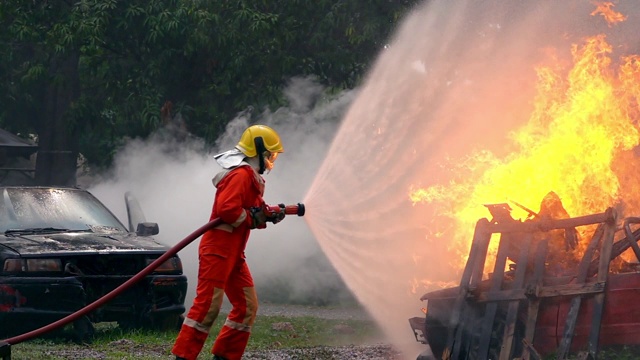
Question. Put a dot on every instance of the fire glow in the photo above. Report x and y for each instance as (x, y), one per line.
(579, 142)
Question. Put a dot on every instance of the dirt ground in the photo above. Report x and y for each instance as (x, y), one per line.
(370, 352)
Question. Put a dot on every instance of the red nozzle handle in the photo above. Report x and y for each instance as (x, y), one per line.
(297, 209)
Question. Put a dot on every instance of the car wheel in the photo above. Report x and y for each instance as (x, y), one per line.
(130, 324)
(164, 322)
(167, 322)
(83, 331)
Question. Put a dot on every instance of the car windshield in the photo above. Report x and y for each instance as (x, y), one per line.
(47, 209)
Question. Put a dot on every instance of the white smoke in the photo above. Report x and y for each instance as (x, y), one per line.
(171, 178)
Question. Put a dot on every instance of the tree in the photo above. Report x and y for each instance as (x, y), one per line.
(83, 75)
(52, 84)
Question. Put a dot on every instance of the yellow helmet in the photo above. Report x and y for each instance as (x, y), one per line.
(270, 140)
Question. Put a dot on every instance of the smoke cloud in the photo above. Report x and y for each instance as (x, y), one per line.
(170, 174)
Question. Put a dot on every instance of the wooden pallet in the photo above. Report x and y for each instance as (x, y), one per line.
(483, 315)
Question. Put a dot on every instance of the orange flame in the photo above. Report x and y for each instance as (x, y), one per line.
(605, 9)
(578, 142)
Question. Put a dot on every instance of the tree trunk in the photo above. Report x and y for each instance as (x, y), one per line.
(57, 135)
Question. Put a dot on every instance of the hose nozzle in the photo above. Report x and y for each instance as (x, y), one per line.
(297, 209)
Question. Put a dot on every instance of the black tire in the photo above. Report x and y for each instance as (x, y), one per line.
(83, 331)
(160, 322)
(167, 322)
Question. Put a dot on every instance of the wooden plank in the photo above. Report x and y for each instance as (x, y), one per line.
(631, 239)
(18, 169)
(540, 257)
(530, 351)
(619, 247)
(603, 273)
(572, 289)
(454, 320)
(541, 292)
(512, 313)
(572, 316)
(551, 224)
(468, 318)
(484, 339)
(569, 328)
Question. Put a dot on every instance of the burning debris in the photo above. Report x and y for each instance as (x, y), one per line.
(563, 243)
(580, 141)
(567, 287)
(520, 312)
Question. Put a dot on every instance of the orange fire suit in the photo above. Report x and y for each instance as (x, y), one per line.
(223, 270)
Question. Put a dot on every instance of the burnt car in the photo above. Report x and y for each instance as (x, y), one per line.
(528, 306)
(61, 249)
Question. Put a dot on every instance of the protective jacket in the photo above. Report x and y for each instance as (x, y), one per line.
(223, 269)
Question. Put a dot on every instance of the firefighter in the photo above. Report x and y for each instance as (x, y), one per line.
(222, 266)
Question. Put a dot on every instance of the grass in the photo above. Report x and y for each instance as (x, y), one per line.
(611, 353)
(111, 342)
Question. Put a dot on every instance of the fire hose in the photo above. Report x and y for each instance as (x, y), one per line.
(270, 211)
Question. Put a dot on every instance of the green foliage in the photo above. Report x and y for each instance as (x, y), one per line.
(214, 58)
(609, 353)
(309, 331)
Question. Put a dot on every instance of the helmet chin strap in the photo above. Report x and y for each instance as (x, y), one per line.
(260, 149)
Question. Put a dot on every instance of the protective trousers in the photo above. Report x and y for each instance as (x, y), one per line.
(219, 275)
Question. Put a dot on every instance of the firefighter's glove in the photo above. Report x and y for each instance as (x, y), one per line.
(258, 218)
(276, 217)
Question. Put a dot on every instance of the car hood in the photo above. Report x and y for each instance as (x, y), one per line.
(80, 242)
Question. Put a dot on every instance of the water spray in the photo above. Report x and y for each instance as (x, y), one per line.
(279, 210)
